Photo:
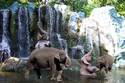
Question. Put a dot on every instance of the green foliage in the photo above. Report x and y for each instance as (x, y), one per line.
(23, 2)
(80, 5)
(120, 7)
(83, 5)
(88, 8)
(118, 4)
(6, 3)
(75, 5)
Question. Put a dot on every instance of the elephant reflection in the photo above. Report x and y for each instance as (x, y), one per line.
(48, 57)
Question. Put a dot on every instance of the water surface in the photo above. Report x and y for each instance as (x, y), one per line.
(116, 76)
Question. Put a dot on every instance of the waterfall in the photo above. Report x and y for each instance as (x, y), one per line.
(5, 40)
(50, 16)
(54, 25)
(77, 51)
(41, 21)
(23, 32)
(1, 27)
(89, 39)
(58, 21)
(62, 43)
(48, 21)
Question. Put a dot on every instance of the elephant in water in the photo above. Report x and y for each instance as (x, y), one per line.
(86, 68)
(48, 57)
(105, 62)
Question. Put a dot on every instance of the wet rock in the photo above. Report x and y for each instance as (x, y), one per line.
(89, 35)
(120, 64)
(104, 26)
(3, 55)
(62, 8)
(13, 64)
(108, 18)
(14, 7)
(74, 19)
(58, 42)
(77, 52)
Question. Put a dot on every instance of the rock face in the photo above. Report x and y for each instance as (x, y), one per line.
(74, 19)
(120, 61)
(105, 27)
(111, 24)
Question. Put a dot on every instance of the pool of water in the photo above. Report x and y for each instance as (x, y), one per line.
(116, 76)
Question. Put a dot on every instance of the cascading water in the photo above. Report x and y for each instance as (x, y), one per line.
(62, 42)
(5, 44)
(1, 27)
(23, 32)
(89, 39)
(54, 25)
(58, 21)
(54, 18)
(49, 23)
(77, 51)
(50, 15)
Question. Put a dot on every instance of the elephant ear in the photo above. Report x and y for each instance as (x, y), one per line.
(57, 57)
(60, 55)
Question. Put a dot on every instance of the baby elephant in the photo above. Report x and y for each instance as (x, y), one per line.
(48, 57)
(105, 62)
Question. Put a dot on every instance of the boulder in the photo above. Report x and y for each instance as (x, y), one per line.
(105, 26)
(13, 64)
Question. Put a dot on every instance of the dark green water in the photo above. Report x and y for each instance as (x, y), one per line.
(116, 76)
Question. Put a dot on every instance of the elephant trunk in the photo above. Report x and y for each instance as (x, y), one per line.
(68, 61)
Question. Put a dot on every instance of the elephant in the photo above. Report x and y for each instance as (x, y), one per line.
(48, 57)
(87, 68)
(105, 62)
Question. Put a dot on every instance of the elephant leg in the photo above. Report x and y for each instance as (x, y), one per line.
(59, 76)
(106, 67)
(57, 63)
(27, 72)
(29, 68)
(37, 70)
(53, 71)
(109, 68)
(103, 71)
(59, 69)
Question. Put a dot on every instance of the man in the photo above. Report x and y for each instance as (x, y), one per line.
(43, 42)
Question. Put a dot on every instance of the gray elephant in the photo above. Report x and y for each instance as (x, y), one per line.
(48, 57)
